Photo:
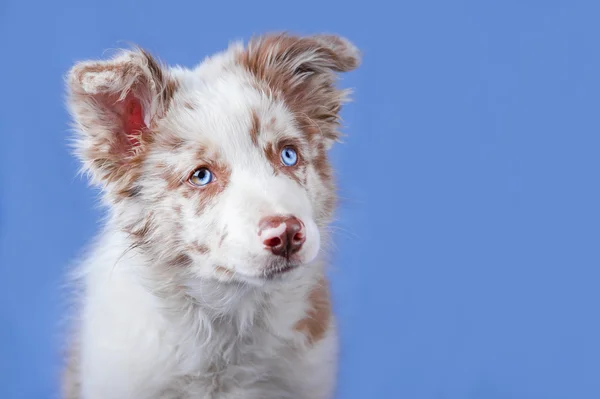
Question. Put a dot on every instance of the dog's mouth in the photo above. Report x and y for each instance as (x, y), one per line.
(277, 271)
(277, 267)
(269, 269)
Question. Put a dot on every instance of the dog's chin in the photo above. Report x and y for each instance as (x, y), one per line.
(270, 270)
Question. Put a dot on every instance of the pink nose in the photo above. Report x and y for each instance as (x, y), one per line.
(283, 235)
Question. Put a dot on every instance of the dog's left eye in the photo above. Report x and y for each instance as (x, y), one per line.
(201, 177)
(289, 157)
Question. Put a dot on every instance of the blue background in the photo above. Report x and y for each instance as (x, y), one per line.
(467, 257)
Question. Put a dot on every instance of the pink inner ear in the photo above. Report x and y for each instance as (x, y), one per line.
(133, 119)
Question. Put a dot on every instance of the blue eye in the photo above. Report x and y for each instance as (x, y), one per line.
(201, 177)
(289, 156)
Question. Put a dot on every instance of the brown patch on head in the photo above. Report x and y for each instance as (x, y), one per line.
(201, 152)
(173, 180)
(272, 155)
(301, 71)
(170, 177)
(322, 166)
(188, 105)
(316, 322)
(169, 91)
(255, 128)
(310, 128)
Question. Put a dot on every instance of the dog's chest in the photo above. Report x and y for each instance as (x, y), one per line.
(256, 364)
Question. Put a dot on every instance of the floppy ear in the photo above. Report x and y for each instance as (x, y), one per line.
(302, 70)
(114, 105)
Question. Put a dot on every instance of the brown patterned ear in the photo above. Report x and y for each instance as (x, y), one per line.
(114, 104)
(302, 70)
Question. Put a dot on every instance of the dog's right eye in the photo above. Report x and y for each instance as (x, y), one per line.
(289, 156)
(201, 177)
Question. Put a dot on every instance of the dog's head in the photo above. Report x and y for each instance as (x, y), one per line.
(221, 169)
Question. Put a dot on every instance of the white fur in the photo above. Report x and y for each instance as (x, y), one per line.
(151, 328)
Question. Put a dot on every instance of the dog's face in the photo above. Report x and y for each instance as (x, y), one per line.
(221, 170)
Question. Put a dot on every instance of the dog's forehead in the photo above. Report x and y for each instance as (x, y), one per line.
(228, 113)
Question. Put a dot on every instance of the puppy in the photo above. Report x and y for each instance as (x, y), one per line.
(208, 280)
